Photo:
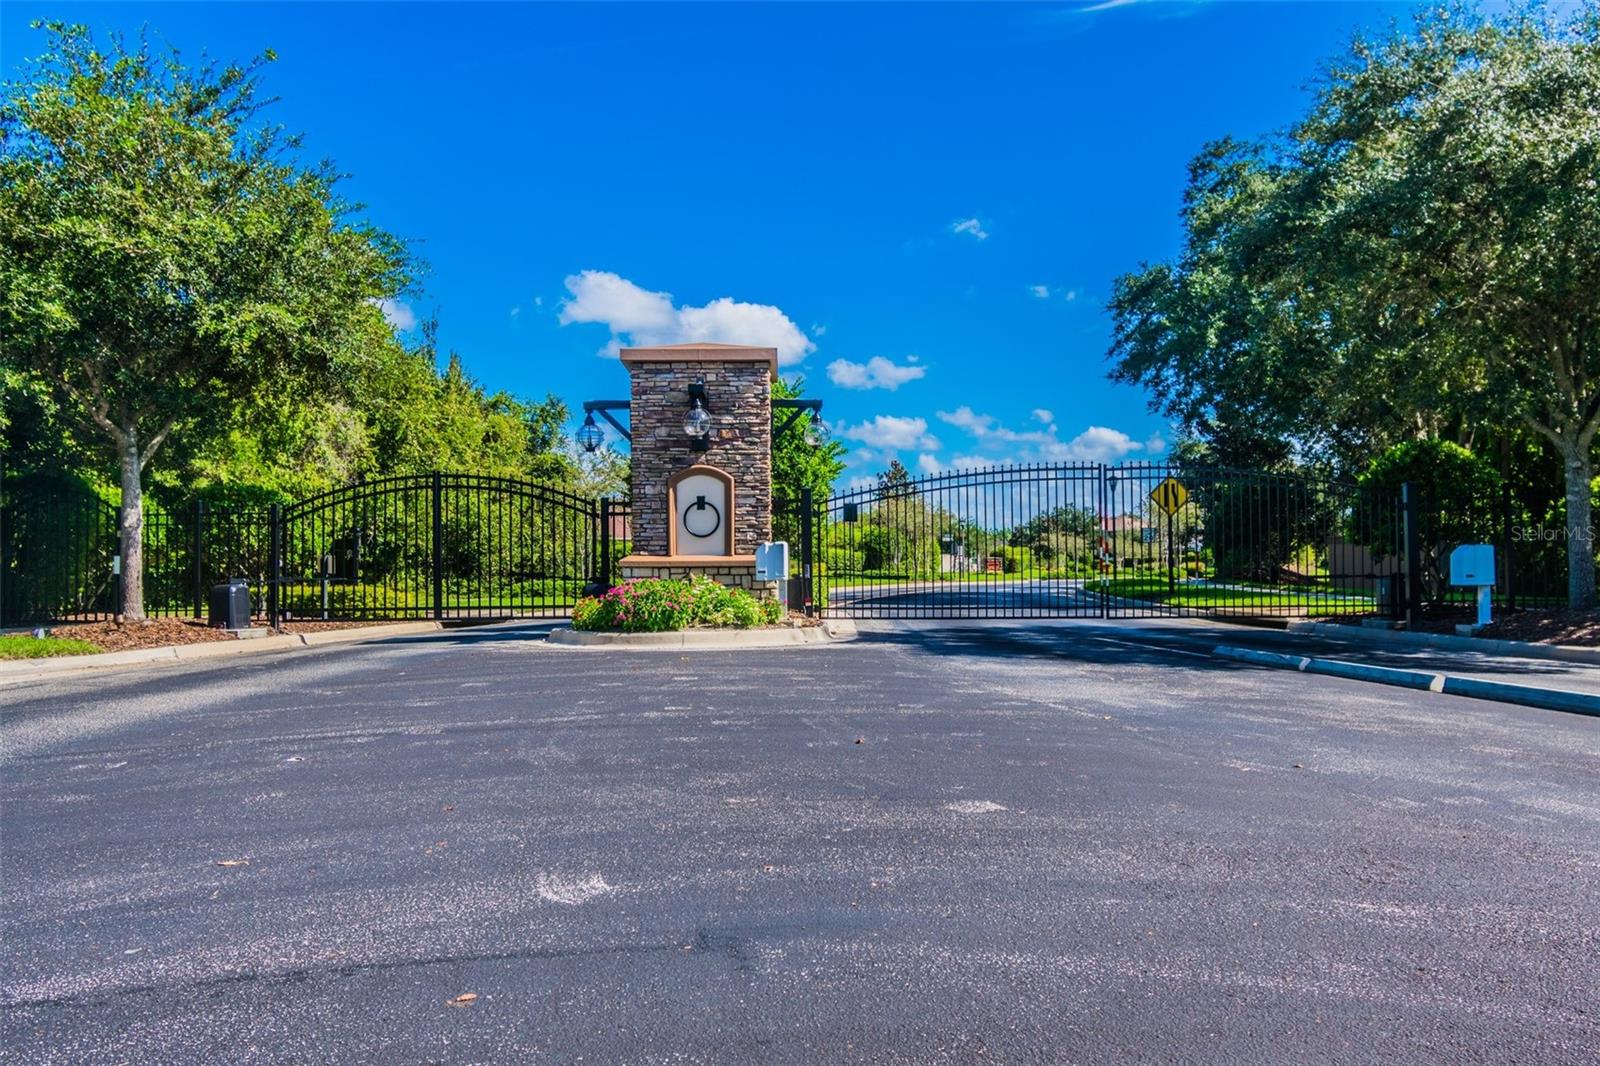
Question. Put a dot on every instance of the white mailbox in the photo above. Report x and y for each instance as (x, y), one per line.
(1473, 565)
(772, 561)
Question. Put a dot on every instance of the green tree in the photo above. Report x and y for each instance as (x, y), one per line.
(798, 465)
(165, 254)
(894, 481)
(1420, 256)
(1065, 532)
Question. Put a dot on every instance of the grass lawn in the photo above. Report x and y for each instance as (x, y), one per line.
(1323, 598)
(24, 646)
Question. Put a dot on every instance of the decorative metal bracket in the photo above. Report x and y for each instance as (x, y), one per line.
(603, 408)
(796, 408)
(793, 408)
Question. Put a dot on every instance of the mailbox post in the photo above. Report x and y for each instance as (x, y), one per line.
(772, 564)
(1472, 566)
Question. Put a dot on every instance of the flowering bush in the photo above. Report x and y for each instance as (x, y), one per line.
(659, 605)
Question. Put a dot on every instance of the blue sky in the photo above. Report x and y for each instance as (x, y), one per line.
(922, 206)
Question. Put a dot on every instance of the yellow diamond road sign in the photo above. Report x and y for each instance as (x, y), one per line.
(1169, 495)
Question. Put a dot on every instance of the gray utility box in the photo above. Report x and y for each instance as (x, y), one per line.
(230, 604)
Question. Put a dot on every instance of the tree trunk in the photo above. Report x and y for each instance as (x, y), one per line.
(132, 530)
(1580, 528)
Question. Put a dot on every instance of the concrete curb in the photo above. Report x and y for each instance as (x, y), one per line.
(36, 669)
(1549, 699)
(1447, 642)
(834, 632)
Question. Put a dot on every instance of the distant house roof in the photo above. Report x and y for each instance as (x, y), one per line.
(1122, 523)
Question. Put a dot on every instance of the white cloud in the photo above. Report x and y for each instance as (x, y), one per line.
(964, 417)
(892, 433)
(1070, 295)
(1041, 291)
(515, 311)
(1043, 414)
(648, 318)
(875, 373)
(818, 329)
(863, 457)
(972, 226)
(1097, 444)
(1155, 444)
(856, 484)
(929, 464)
(398, 314)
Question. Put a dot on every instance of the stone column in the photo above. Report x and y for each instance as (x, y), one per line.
(738, 396)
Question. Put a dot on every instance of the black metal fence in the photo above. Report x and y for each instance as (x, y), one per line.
(427, 546)
(1052, 540)
(1141, 539)
(1089, 540)
(1530, 549)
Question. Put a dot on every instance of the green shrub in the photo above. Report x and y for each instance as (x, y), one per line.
(661, 605)
(842, 561)
(1017, 560)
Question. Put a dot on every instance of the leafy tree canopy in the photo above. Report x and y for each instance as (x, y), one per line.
(1418, 257)
(165, 252)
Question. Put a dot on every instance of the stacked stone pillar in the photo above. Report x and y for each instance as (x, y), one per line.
(738, 395)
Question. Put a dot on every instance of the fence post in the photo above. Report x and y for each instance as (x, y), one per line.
(1507, 561)
(438, 545)
(1413, 553)
(275, 564)
(199, 557)
(603, 570)
(807, 598)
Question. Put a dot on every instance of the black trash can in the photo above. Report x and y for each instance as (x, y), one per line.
(230, 604)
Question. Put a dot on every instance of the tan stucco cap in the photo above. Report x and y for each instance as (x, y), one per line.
(703, 352)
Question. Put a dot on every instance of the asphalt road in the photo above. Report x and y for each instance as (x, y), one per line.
(1072, 843)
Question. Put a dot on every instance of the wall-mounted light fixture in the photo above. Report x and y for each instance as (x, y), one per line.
(697, 423)
(591, 436)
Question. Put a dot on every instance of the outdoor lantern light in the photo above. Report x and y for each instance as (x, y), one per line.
(589, 435)
(817, 432)
(697, 423)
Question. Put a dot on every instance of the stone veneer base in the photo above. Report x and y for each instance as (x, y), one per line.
(734, 571)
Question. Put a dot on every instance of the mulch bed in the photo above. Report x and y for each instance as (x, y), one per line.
(1580, 628)
(1548, 627)
(166, 632)
(154, 633)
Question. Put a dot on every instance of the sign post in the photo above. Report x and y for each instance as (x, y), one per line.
(1170, 495)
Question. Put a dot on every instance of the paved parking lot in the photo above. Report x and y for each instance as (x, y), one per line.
(988, 843)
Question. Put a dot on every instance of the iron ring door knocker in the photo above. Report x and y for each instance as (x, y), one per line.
(701, 504)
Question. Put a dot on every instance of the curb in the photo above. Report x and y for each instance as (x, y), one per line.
(1548, 699)
(834, 632)
(1446, 642)
(38, 669)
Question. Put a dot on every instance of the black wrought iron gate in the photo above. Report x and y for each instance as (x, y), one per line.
(434, 546)
(1093, 540)
(437, 545)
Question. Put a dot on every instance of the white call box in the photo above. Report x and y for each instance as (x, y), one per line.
(772, 561)
(1472, 564)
